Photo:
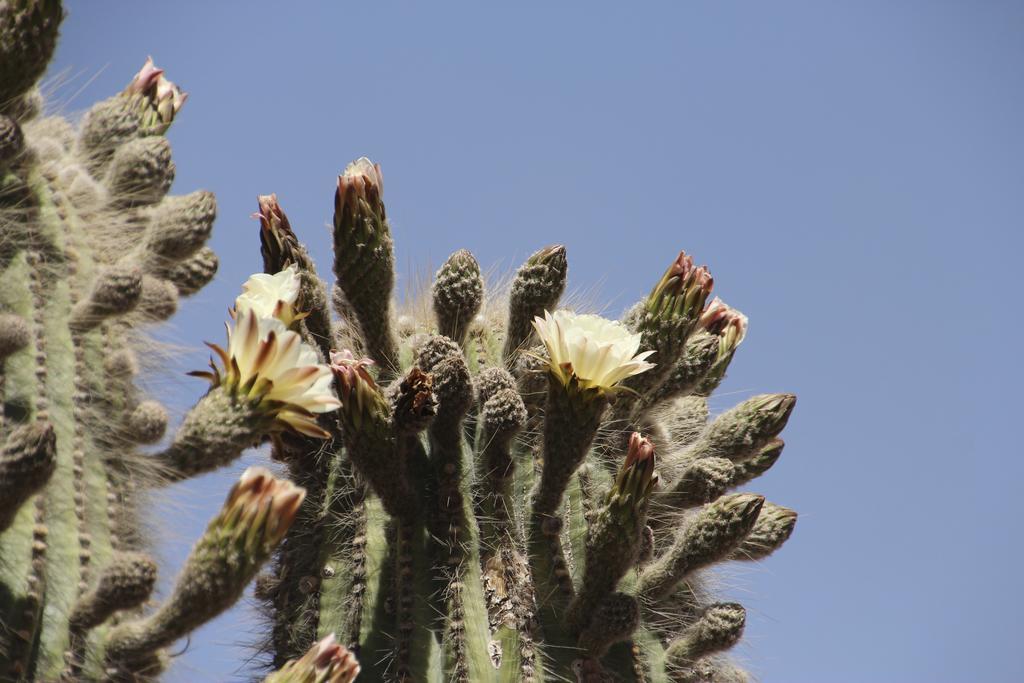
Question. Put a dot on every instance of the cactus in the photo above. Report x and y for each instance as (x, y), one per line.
(504, 490)
(512, 491)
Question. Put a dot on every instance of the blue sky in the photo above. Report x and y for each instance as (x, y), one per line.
(853, 174)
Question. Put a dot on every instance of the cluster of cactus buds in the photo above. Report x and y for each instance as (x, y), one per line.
(506, 490)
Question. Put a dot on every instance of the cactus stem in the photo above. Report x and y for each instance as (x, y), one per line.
(52, 294)
(343, 563)
(300, 561)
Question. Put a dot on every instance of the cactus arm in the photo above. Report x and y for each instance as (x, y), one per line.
(373, 621)
(466, 631)
(53, 305)
(23, 543)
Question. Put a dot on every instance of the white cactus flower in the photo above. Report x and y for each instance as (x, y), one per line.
(271, 366)
(271, 296)
(600, 353)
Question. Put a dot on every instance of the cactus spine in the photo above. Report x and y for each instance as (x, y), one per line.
(507, 491)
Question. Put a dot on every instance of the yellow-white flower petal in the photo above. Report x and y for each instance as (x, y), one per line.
(271, 296)
(265, 350)
(599, 352)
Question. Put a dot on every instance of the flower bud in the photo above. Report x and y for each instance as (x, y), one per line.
(116, 291)
(615, 536)
(181, 225)
(126, 582)
(709, 537)
(718, 628)
(759, 464)
(774, 526)
(370, 432)
(14, 334)
(741, 432)
(12, 142)
(536, 288)
(156, 99)
(682, 290)
(147, 423)
(364, 259)
(279, 245)
(729, 326)
(257, 514)
(360, 183)
(141, 172)
(636, 478)
(326, 662)
(704, 480)
(28, 37)
(725, 322)
(28, 459)
(360, 396)
(458, 294)
(281, 249)
(195, 272)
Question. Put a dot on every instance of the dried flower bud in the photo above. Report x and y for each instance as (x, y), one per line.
(413, 405)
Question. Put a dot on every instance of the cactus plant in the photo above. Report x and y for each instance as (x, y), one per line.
(504, 490)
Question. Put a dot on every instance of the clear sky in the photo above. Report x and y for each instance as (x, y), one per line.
(853, 174)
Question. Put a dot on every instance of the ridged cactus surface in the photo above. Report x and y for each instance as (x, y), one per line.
(500, 489)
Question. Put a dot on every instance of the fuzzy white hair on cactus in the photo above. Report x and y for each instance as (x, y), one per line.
(599, 352)
(271, 296)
